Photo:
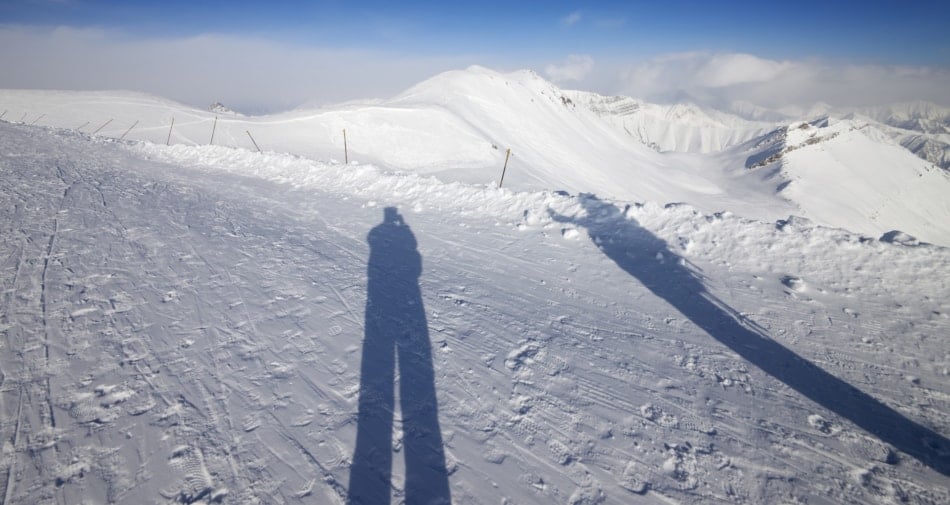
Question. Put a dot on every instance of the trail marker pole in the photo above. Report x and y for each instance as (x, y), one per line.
(346, 155)
(169, 139)
(505, 168)
(83, 126)
(37, 119)
(127, 131)
(213, 128)
(4, 114)
(103, 126)
(248, 132)
(22, 119)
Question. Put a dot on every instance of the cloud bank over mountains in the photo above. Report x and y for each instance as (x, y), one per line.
(258, 75)
(719, 79)
(573, 68)
(250, 74)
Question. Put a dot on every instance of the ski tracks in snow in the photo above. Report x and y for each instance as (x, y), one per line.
(170, 354)
(196, 336)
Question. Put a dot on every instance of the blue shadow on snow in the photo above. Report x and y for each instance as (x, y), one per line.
(648, 259)
(396, 332)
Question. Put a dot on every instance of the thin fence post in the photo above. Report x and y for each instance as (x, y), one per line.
(130, 129)
(83, 126)
(213, 128)
(248, 132)
(4, 114)
(346, 154)
(37, 119)
(103, 126)
(505, 168)
(169, 139)
(22, 119)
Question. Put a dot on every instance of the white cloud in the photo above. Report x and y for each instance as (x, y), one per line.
(574, 68)
(572, 18)
(257, 75)
(723, 70)
(248, 74)
(724, 78)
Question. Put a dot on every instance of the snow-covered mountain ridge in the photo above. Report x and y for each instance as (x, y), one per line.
(830, 162)
(920, 116)
(923, 128)
(459, 125)
(679, 127)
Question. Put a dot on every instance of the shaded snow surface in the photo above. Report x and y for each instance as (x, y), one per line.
(187, 325)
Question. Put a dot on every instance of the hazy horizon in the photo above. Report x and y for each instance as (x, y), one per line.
(267, 58)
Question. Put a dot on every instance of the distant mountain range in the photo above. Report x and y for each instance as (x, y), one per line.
(921, 127)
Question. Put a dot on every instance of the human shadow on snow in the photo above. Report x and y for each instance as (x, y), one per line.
(649, 260)
(396, 332)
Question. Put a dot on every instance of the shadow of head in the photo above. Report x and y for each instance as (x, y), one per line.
(391, 215)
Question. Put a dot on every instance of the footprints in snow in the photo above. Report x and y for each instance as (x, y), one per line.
(195, 482)
(99, 407)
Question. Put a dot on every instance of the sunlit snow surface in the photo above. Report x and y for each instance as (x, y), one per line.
(849, 172)
(186, 324)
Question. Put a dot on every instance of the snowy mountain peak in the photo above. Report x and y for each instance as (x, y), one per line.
(478, 83)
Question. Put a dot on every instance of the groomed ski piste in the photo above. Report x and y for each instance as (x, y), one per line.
(212, 324)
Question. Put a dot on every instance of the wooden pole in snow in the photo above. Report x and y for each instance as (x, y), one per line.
(169, 139)
(130, 129)
(346, 155)
(83, 126)
(505, 168)
(4, 114)
(213, 128)
(103, 126)
(37, 119)
(248, 132)
(22, 119)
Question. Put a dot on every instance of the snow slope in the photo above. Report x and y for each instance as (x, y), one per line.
(848, 173)
(679, 127)
(458, 126)
(187, 325)
(921, 127)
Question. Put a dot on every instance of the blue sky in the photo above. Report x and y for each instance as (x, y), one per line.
(612, 39)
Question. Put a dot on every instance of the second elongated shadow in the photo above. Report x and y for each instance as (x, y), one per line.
(648, 259)
(397, 334)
